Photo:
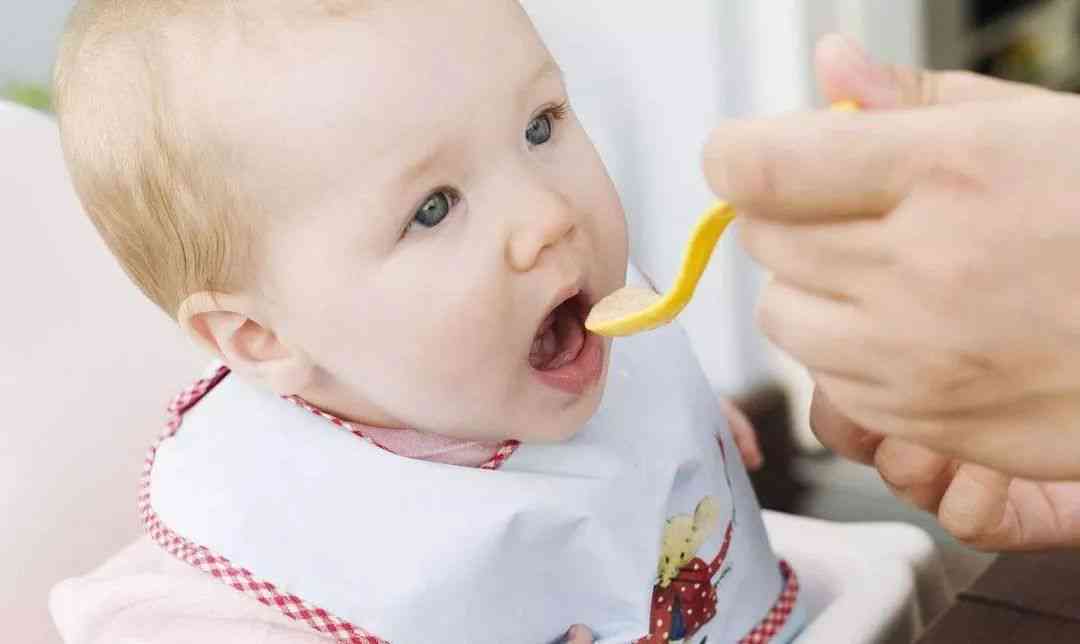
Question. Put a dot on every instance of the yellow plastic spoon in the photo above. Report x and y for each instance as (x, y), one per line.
(632, 310)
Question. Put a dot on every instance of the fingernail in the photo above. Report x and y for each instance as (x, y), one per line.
(851, 48)
(853, 57)
(875, 83)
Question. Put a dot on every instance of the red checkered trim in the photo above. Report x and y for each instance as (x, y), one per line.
(778, 616)
(318, 618)
(219, 567)
(503, 452)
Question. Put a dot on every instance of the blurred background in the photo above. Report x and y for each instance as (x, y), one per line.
(649, 80)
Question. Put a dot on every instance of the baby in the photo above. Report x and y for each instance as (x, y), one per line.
(384, 218)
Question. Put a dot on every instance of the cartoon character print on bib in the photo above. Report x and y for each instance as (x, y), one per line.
(684, 597)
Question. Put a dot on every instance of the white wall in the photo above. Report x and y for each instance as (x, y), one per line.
(28, 33)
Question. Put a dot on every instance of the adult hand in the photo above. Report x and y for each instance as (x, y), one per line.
(925, 255)
(979, 506)
(744, 434)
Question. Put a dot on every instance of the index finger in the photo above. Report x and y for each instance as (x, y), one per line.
(820, 166)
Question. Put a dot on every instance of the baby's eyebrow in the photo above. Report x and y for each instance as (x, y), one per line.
(549, 69)
(421, 166)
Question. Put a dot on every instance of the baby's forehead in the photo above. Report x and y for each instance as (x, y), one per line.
(361, 98)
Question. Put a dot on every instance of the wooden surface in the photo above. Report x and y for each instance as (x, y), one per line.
(1030, 598)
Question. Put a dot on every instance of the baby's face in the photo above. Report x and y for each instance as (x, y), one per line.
(439, 223)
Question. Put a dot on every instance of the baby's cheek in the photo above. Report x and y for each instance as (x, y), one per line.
(476, 328)
(458, 353)
(455, 340)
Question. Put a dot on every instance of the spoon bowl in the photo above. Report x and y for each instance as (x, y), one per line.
(632, 310)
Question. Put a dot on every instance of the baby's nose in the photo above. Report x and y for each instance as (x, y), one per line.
(545, 223)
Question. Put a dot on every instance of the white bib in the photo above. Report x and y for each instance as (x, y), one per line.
(420, 553)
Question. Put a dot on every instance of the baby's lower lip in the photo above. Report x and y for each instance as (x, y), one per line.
(581, 373)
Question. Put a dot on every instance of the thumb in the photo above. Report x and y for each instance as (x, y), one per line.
(846, 72)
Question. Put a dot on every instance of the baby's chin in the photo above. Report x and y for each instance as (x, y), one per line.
(552, 423)
(563, 424)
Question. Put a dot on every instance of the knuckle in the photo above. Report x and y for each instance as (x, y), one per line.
(940, 381)
(895, 479)
(914, 392)
(922, 85)
(905, 466)
(921, 401)
(931, 377)
(843, 436)
(938, 281)
(754, 239)
(941, 282)
(892, 471)
(745, 173)
(958, 272)
(957, 160)
(770, 318)
(831, 435)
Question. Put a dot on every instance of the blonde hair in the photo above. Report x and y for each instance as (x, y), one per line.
(161, 190)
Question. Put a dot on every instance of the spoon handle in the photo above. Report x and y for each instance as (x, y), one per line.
(698, 251)
(703, 240)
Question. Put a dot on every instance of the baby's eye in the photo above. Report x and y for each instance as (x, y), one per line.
(434, 209)
(540, 128)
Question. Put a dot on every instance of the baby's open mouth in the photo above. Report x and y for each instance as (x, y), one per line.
(561, 335)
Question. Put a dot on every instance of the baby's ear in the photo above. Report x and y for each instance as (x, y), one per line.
(225, 326)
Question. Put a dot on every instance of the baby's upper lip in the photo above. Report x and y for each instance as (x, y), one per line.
(568, 291)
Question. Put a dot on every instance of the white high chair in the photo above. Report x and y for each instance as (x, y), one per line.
(70, 456)
(863, 582)
(71, 327)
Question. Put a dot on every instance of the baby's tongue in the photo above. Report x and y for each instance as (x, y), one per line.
(558, 342)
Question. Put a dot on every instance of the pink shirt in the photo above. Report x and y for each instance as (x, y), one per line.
(431, 447)
(420, 445)
(144, 596)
